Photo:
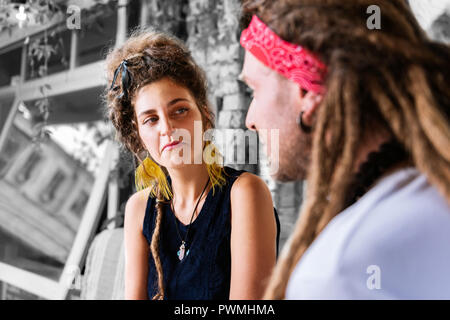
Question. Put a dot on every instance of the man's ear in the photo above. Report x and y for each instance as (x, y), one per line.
(309, 105)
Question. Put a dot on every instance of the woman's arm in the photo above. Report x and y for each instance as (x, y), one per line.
(253, 237)
(136, 248)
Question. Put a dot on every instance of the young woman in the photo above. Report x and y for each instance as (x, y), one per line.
(373, 110)
(196, 229)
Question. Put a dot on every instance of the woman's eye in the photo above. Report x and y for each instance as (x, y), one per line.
(151, 120)
(181, 110)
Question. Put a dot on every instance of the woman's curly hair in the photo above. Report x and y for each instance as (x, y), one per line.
(150, 56)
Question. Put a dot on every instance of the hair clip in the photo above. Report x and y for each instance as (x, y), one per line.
(126, 79)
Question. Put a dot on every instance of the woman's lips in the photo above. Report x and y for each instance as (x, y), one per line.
(171, 146)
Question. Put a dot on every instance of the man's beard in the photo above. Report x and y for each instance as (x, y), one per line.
(295, 156)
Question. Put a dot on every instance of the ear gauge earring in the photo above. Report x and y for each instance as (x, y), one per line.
(303, 127)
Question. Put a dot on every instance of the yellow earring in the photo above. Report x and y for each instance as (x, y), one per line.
(214, 165)
(149, 174)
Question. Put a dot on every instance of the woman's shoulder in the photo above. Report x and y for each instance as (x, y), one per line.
(136, 207)
(230, 172)
(246, 182)
(252, 193)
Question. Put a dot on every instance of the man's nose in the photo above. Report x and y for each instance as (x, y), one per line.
(250, 119)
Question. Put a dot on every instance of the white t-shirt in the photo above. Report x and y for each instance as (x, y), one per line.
(394, 243)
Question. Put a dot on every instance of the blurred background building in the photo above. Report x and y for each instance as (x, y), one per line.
(62, 179)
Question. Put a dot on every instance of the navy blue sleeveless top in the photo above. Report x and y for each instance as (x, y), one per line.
(205, 273)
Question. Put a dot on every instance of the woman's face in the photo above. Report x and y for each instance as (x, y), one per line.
(167, 113)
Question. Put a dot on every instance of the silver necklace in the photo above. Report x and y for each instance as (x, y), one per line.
(182, 252)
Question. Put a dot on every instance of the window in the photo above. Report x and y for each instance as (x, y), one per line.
(79, 204)
(11, 149)
(55, 183)
(32, 162)
(46, 222)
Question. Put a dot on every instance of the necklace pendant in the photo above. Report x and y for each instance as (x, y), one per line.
(181, 252)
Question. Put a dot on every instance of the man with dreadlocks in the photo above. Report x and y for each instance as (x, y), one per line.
(364, 116)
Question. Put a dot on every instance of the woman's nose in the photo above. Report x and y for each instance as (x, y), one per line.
(166, 127)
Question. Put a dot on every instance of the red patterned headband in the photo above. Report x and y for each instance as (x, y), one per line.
(288, 59)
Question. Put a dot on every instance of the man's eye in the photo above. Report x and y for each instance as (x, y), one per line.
(250, 91)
